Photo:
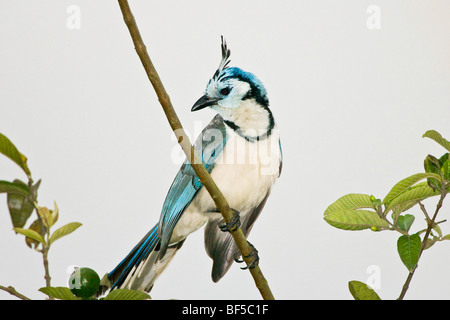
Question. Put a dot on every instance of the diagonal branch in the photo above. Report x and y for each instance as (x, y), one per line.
(13, 292)
(183, 140)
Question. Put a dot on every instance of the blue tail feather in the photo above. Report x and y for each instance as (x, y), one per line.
(139, 253)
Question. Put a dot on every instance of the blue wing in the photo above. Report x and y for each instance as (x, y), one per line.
(186, 184)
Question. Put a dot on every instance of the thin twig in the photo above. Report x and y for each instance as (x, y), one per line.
(13, 292)
(191, 155)
(431, 224)
(46, 268)
(422, 207)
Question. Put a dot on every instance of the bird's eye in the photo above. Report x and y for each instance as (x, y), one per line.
(225, 91)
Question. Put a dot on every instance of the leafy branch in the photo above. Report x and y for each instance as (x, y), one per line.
(427, 243)
(22, 201)
(361, 211)
(183, 140)
(48, 218)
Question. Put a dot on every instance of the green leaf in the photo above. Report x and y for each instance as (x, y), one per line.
(405, 222)
(446, 169)
(46, 216)
(407, 183)
(361, 291)
(30, 234)
(408, 248)
(397, 210)
(39, 227)
(414, 194)
(436, 136)
(55, 213)
(355, 220)
(9, 149)
(344, 213)
(443, 158)
(19, 205)
(438, 230)
(432, 164)
(64, 231)
(430, 242)
(61, 293)
(351, 201)
(127, 294)
(34, 190)
(15, 188)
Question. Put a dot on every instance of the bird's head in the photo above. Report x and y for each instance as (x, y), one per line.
(230, 87)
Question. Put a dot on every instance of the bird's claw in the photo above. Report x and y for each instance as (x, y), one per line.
(234, 223)
(253, 255)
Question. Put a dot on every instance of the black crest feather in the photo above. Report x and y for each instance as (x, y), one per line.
(225, 58)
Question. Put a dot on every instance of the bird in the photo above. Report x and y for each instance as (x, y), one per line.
(241, 150)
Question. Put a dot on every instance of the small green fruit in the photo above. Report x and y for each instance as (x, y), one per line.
(84, 282)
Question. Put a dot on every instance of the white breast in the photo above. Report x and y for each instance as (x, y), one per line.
(244, 172)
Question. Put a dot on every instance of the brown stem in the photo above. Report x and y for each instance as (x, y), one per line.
(425, 239)
(46, 268)
(183, 140)
(13, 291)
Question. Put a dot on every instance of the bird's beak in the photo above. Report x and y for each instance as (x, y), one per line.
(203, 102)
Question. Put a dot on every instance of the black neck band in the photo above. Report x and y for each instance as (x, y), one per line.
(238, 130)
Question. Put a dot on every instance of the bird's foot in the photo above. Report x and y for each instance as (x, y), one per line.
(234, 223)
(254, 258)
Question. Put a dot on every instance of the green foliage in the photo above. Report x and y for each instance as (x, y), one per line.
(20, 205)
(362, 211)
(22, 201)
(61, 293)
(126, 294)
(14, 188)
(436, 136)
(397, 194)
(345, 213)
(408, 247)
(411, 197)
(361, 291)
(405, 222)
(9, 149)
(64, 293)
(31, 234)
(63, 231)
(47, 218)
(84, 283)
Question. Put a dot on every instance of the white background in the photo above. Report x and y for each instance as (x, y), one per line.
(351, 102)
